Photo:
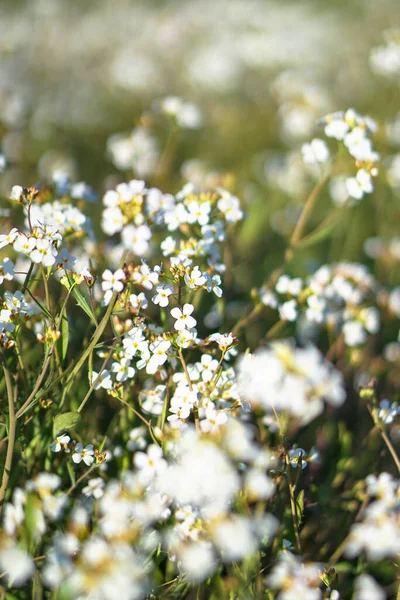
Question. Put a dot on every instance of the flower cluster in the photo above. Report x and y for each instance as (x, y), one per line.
(282, 378)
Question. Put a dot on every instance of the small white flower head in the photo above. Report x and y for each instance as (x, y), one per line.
(8, 238)
(17, 193)
(183, 318)
(6, 270)
(186, 338)
(159, 355)
(150, 463)
(387, 412)
(83, 454)
(138, 301)
(123, 370)
(24, 243)
(195, 278)
(44, 252)
(296, 457)
(113, 282)
(230, 206)
(162, 296)
(61, 442)
(65, 260)
(213, 284)
(315, 152)
(336, 127)
(288, 310)
(366, 588)
(180, 413)
(18, 565)
(102, 380)
(94, 488)
(354, 333)
(360, 184)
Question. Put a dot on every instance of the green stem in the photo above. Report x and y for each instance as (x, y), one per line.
(292, 488)
(11, 431)
(95, 338)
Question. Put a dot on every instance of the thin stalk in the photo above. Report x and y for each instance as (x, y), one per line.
(81, 478)
(37, 385)
(95, 338)
(11, 431)
(294, 240)
(292, 488)
(184, 365)
(386, 439)
(91, 388)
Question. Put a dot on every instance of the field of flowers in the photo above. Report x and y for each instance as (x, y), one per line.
(199, 300)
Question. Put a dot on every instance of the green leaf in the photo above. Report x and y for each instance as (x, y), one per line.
(81, 301)
(65, 421)
(323, 231)
(64, 337)
(100, 448)
(71, 472)
(300, 506)
(41, 306)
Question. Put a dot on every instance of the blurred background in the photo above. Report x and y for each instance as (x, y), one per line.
(256, 74)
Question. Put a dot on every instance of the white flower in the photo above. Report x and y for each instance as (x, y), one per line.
(16, 193)
(195, 279)
(136, 239)
(213, 284)
(138, 301)
(315, 152)
(151, 462)
(101, 380)
(24, 244)
(8, 238)
(113, 281)
(297, 455)
(112, 220)
(387, 411)
(207, 367)
(65, 260)
(230, 206)
(235, 538)
(162, 295)
(83, 454)
(288, 310)
(198, 212)
(183, 318)
(258, 485)
(6, 270)
(44, 252)
(336, 128)
(61, 441)
(366, 588)
(185, 338)
(180, 413)
(286, 285)
(198, 560)
(354, 333)
(213, 420)
(159, 355)
(94, 488)
(360, 184)
(18, 565)
(123, 369)
(145, 277)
